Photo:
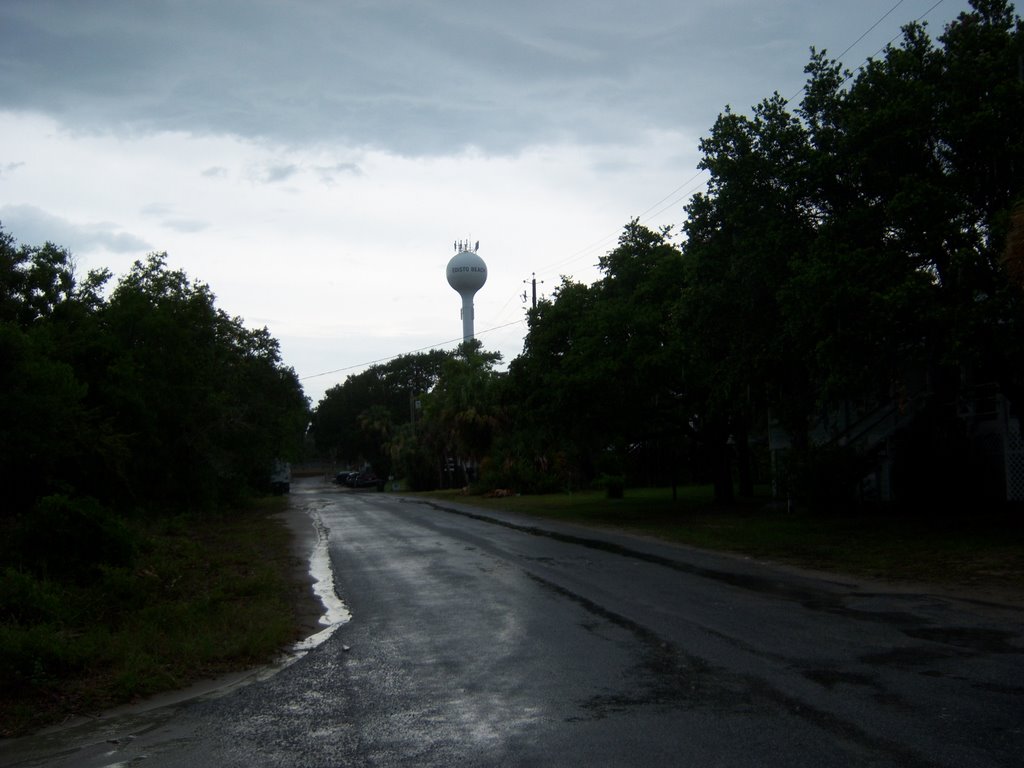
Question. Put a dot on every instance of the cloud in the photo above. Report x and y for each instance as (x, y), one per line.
(404, 76)
(168, 218)
(35, 226)
(186, 225)
(7, 168)
(215, 172)
(329, 173)
(155, 210)
(278, 173)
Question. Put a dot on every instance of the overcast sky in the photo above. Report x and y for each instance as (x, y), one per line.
(314, 162)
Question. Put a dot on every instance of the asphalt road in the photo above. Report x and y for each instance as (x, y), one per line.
(484, 639)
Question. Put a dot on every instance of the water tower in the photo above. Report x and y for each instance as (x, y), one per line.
(467, 274)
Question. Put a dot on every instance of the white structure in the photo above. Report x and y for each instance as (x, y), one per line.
(467, 274)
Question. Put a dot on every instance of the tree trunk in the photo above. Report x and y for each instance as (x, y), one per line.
(723, 473)
(744, 470)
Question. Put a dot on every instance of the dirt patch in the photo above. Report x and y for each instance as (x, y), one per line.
(306, 606)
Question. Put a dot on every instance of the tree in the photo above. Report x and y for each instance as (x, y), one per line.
(459, 413)
(358, 420)
(981, 110)
(152, 397)
(50, 438)
(204, 402)
(741, 354)
(852, 251)
(598, 380)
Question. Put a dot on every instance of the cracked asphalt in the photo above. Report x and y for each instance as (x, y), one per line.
(485, 639)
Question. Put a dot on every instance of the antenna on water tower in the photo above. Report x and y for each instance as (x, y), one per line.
(467, 274)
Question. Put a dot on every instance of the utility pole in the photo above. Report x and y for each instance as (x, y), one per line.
(533, 282)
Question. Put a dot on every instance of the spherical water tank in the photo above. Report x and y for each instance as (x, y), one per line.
(467, 272)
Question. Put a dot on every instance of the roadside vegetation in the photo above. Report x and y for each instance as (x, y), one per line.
(138, 424)
(202, 595)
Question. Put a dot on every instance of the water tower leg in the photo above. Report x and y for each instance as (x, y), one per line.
(467, 318)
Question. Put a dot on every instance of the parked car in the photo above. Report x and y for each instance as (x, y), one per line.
(363, 480)
(342, 477)
(280, 477)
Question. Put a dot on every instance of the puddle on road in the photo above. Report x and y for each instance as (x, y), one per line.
(336, 613)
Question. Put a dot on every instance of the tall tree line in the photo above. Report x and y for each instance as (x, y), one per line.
(427, 417)
(848, 256)
(141, 399)
(858, 242)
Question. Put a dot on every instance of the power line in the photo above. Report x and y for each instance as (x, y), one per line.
(880, 50)
(884, 17)
(670, 194)
(504, 306)
(673, 197)
(689, 191)
(412, 352)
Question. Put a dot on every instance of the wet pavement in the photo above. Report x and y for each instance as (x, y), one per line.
(479, 638)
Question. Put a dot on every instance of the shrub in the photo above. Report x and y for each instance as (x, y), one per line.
(614, 486)
(26, 599)
(68, 537)
(35, 656)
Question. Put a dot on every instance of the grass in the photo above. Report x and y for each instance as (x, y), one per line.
(204, 596)
(984, 552)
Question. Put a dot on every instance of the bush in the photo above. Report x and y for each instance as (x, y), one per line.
(521, 476)
(614, 486)
(67, 537)
(35, 656)
(25, 599)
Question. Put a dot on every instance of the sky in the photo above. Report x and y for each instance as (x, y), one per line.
(315, 162)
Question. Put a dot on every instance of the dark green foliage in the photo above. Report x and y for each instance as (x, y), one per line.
(526, 476)
(151, 401)
(601, 371)
(848, 256)
(48, 434)
(460, 413)
(36, 656)
(429, 418)
(152, 397)
(614, 486)
(217, 406)
(28, 599)
(69, 538)
(115, 410)
(360, 421)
